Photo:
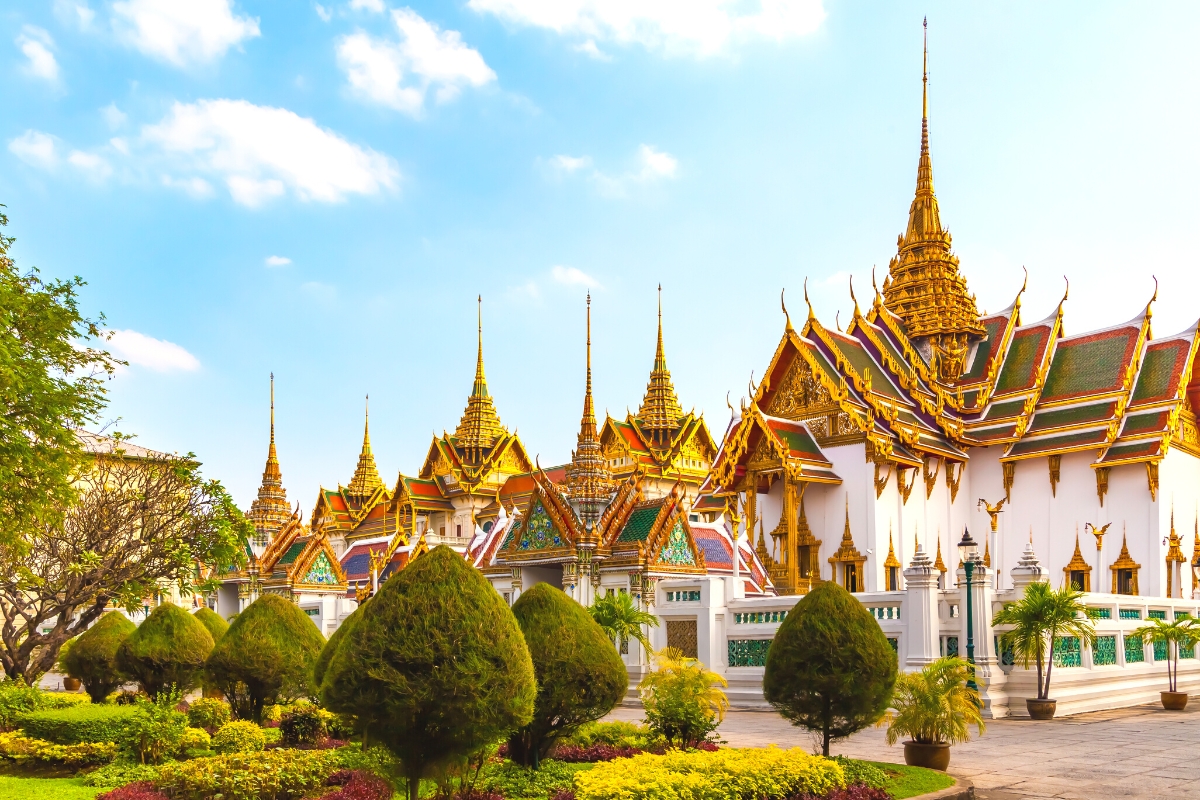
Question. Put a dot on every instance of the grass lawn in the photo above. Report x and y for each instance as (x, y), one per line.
(905, 781)
(45, 789)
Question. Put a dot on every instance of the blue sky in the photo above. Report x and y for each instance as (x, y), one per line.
(322, 190)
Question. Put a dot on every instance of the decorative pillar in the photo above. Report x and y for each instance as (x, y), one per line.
(516, 583)
(921, 611)
(1027, 570)
(988, 674)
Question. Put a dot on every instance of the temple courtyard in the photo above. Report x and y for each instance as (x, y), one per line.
(1132, 752)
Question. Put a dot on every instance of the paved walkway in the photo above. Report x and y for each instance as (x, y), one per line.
(1131, 752)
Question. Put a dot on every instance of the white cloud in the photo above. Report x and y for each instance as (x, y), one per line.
(569, 164)
(35, 148)
(195, 186)
(653, 165)
(182, 32)
(589, 48)
(78, 14)
(155, 354)
(374, 6)
(324, 13)
(113, 116)
(675, 27)
(572, 276)
(94, 166)
(37, 46)
(263, 152)
(120, 145)
(398, 74)
(277, 261)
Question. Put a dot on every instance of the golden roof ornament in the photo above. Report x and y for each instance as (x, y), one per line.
(941, 565)
(480, 426)
(891, 560)
(660, 411)
(366, 475)
(270, 510)
(924, 287)
(589, 482)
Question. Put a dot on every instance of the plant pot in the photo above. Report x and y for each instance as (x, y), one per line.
(1040, 709)
(72, 685)
(1174, 701)
(930, 756)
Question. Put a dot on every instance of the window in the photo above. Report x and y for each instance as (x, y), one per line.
(1135, 651)
(805, 561)
(1079, 580)
(458, 531)
(893, 579)
(508, 598)
(1105, 652)
(850, 577)
(748, 652)
(1066, 652)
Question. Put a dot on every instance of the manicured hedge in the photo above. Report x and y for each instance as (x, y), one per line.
(720, 775)
(85, 723)
(21, 748)
(213, 621)
(167, 650)
(273, 774)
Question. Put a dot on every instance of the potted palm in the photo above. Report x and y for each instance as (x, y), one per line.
(1039, 619)
(934, 708)
(621, 620)
(1182, 632)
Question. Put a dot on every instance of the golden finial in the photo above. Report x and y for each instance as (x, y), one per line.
(272, 415)
(480, 426)
(786, 316)
(852, 297)
(1025, 282)
(660, 410)
(366, 475)
(837, 320)
(1067, 290)
(808, 302)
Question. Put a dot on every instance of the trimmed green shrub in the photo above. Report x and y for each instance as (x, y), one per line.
(720, 775)
(78, 725)
(335, 641)
(156, 730)
(92, 657)
(208, 713)
(435, 668)
(195, 739)
(612, 734)
(580, 676)
(830, 668)
(18, 747)
(213, 621)
(267, 654)
(271, 735)
(119, 773)
(166, 650)
(239, 736)
(515, 782)
(303, 725)
(270, 775)
(16, 699)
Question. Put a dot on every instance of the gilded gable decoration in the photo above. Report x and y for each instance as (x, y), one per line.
(1125, 571)
(850, 560)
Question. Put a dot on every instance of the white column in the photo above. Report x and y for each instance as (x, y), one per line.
(921, 611)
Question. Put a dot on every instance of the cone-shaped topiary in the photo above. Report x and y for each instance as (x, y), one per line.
(213, 621)
(92, 657)
(335, 641)
(166, 650)
(580, 676)
(830, 668)
(435, 668)
(266, 655)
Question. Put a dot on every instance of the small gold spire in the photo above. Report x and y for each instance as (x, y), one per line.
(660, 411)
(480, 426)
(366, 476)
(941, 565)
(987, 549)
(270, 509)
(891, 561)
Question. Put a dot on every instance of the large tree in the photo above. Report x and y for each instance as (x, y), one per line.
(140, 521)
(51, 385)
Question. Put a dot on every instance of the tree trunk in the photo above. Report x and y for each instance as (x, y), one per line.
(1049, 666)
(414, 788)
(1040, 656)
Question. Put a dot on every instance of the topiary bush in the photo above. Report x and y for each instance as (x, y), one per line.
(195, 739)
(213, 622)
(78, 725)
(269, 775)
(239, 736)
(435, 668)
(267, 654)
(92, 657)
(167, 650)
(830, 668)
(322, 663)
(304, 725)
(580, 675)
(208, 713)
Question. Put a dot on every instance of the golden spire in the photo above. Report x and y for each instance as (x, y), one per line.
(660, 411)
(924, 287)
(480, 426)
(987, 548)
(366, 477)
(589, 482)
(270, 510)
(941, 565)
(891, 560)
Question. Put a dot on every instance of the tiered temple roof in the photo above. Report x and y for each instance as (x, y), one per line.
(270, 510)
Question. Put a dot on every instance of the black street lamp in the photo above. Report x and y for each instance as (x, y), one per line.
(970, 551)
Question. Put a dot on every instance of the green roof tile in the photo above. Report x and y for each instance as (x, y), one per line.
(1020, 364)
(1057, 443)
(995, 329)
(1161, 365)
(293, 552)
(1004, 410)
(1077, 415)
(639, 524)
(1090, 365)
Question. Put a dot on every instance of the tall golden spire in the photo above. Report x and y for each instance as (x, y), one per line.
(270, 510)
(366, 476)
(589, 483)
(480, 426)
(924, 287)
(660, 411)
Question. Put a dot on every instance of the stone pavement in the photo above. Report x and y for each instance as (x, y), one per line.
(1131, 752)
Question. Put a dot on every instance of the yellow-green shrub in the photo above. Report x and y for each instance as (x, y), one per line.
(207, 712)
(19, 747)
(239, 736)
(721, 775)
(195, 739)
(271, 775)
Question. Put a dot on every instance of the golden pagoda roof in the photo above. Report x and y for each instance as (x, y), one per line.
(270, 510)
(480, 426)
(589, 482)
(924, 287)
(660, 412)
(366, 478)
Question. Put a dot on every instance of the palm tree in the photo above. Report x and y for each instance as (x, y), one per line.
(621, 619)
(935, 705)
(1039, 619)
(1181, 632)
(683, 699)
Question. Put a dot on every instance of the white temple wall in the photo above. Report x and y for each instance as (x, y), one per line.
(856, 494)
(1179, 491)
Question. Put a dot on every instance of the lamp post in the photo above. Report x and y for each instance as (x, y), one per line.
(970, 551)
